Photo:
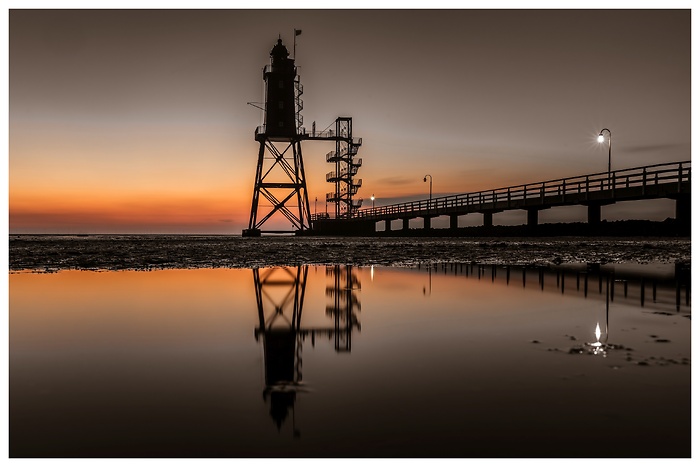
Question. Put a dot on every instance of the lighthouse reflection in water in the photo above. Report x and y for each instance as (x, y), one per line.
(573, 318)
(279, 294)
(453, 360)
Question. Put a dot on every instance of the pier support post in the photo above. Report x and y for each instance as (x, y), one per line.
(454, 221)
(387, 225)
(532, 217)
(683, 210)
(594, 214)
(405, 224)
(426, 223)
(488, 219)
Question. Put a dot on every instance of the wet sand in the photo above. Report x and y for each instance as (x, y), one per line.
(143, 252)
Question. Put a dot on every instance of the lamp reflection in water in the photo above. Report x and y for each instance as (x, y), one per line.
(279, 294)
(600, 346)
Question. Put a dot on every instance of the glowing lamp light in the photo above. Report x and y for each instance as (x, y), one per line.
(601, 139)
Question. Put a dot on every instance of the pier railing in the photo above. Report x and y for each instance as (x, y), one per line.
(541, 193)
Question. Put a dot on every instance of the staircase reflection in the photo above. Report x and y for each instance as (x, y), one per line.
(279, 294)
(344, 304)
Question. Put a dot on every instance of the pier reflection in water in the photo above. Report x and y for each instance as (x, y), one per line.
(667, 286)
(460, 360)
(673, 279)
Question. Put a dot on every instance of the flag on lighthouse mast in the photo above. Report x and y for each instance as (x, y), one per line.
(297, 32)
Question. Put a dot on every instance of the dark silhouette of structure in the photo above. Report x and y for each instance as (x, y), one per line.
(282, 181)
(279, 294)
(668, 291)
(670, 180)
(346, 167)
(344, 304)
(279, 177)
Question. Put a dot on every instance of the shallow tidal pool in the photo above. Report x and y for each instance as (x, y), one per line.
(449, 360)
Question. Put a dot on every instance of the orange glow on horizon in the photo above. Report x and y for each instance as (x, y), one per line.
(169, 208)
(113, 211)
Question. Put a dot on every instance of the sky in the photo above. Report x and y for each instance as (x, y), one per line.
(136, 121)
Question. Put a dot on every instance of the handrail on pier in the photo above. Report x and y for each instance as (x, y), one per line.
(545, 192)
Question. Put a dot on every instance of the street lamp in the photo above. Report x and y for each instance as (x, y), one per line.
(372, 198)
(601, 139)
(425, 179)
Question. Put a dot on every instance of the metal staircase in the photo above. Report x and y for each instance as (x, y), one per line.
(346, 167)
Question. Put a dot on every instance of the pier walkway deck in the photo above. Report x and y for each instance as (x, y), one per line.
(669, 180)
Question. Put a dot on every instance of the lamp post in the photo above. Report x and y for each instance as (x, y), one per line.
(601, 139)
(425, 179)
(372, 198)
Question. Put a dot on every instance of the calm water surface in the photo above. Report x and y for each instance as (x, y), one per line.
(452, 360)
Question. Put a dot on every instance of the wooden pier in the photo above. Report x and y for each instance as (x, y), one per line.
(670, 180)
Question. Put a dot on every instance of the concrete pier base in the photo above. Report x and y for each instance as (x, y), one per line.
(250, 233)
(488, 219)
(532, 216)
(683, 210)
(426, 223)
(594, 211)
(454, 222)
(405, 224)
(342, 227)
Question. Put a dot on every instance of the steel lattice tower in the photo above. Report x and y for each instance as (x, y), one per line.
(279, 176)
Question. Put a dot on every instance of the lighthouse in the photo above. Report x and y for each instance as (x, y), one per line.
(280, 100)
(279, 177)
(279, 192)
